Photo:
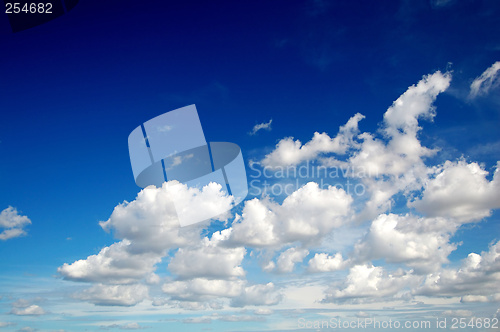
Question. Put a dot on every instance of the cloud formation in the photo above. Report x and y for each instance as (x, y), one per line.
(307, 215)
(289, 152)
(397, 254)
(24, 307)
(486, 82)
(12, 224)
(476, 280)
(261, 126)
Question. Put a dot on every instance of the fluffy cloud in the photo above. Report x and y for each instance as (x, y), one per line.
(148, 227)
(484, 83)
(460, 191)
(476, 280)
(290, 152)
(261, 126)
(391, 164)
(260, 294)
(202, 289)
(24, 307)
(238, 291)
(118, 295)
(12, 224)
(421, 243)
(208, 260)
(150, 221)
(306, 215)
(287, 259)
(322, 262)
(415, 103)
(367, 283)
(113, 264)
(207, 273)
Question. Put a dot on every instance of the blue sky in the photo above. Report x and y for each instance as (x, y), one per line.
(74, 88)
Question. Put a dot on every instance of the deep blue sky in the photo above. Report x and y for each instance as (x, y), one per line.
(74, 88)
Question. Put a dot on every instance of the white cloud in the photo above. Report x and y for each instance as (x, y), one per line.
(114, 264)
(415, 103)
(149, 228)
(12, 224)
(207, 273)
(261, 126)
(389, 165)
(202, 289)
(26, 308)
(421, 243)
(487, 81)
(287, 259)
(263, 311)
(306, 215)
(290, 152)
(367, 283)
(177, 160)
(150, 221)
(476, 280)
(5, 324)
(460, 191)
(114, 295)
(208, 260)
(322, 262)
(260, 294)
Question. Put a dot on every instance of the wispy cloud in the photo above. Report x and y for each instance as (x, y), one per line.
(487, 81)
(261, 126)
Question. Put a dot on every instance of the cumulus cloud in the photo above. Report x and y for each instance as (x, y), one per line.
(263, 311)
(460, 191)
(24, 307)
(420, 243)
(149, 228)
(287, 259)
(114, 295)
(261, 126)
(476, 280)
(202, 289)
(260, 294)
(207, 272)
(388, 164)
(487, 81)
(290, 152)
(322, 262)
(306, 215)
(366, 283)
(12, 224)
(208, 260)
(113, 264)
